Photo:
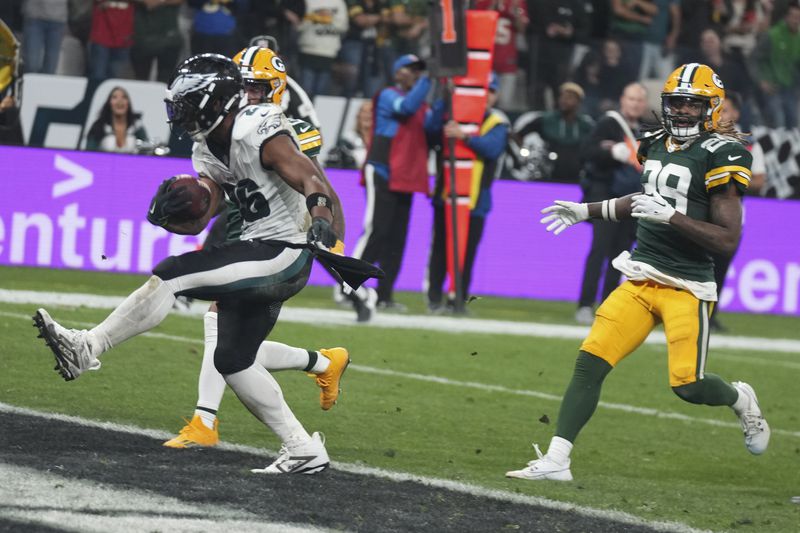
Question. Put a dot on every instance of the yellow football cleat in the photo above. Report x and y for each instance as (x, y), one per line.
(195, 434)
(329, 380)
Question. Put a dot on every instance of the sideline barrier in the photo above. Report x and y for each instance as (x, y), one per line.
(68, 209)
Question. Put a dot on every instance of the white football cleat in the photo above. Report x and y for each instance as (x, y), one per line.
(307, 458)
(755, 427)
(543, 467)
(69, 346)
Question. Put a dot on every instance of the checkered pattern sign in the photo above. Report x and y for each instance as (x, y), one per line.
(782, 159)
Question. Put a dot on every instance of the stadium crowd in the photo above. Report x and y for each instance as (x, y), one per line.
(347, 47)
(560, 64)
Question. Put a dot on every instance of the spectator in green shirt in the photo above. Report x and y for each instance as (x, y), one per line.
(563, 130)
(777, 60)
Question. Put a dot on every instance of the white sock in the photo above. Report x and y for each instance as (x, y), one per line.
(277, 356)
(206, 417)
(262, 395)
(321, 365)
(142, 310)
(741, 403)
(559, 450)
(362, 293)
(211, 384)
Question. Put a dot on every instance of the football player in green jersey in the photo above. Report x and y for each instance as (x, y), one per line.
(695, 169)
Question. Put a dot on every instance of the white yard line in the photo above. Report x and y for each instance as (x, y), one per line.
(455, 486)
(633, 409)
(486, 387)
(418, 322)
(33, 497)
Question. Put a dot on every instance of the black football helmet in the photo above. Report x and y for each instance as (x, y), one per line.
(202, 91)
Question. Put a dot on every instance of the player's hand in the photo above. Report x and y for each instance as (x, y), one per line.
(167, 202)
(562, 215)
(321, 233)
(651, 207)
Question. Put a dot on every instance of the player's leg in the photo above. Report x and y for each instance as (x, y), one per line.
(686, 325)
(621, 324)
(242, 326)
(282, 273)
(78, 350)
(203, 274)
(202, 429)
(325, 365)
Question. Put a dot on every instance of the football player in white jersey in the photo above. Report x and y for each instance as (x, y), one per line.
(284, 203)
(264, 77)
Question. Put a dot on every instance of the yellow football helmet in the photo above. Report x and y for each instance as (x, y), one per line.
(263, 67)
(691, 101)
(9, 61)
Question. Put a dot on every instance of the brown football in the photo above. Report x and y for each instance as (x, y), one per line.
(199, 194)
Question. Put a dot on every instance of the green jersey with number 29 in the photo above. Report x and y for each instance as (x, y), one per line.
(687, 178)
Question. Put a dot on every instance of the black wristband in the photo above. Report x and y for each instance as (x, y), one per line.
(317, 199)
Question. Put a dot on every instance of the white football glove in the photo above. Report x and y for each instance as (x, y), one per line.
(652, 207)
(562, 215)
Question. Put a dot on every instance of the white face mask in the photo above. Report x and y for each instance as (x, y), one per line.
(683, 132)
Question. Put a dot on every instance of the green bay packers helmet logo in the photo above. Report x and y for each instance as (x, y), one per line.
(717, 81)
(277, 64)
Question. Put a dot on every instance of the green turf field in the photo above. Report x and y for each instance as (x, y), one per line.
(473, 424)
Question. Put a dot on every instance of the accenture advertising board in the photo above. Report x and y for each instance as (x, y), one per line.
(80, 210)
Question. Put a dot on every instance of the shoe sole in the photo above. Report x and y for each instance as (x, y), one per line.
(62, 361)
(543, 477)
(302, 471)
(182, 446)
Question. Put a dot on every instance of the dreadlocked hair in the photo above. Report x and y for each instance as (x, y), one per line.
(728, 129)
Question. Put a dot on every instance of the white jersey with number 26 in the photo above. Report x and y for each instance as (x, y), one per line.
(270, 208)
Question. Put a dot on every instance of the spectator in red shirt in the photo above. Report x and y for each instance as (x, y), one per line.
(110, 39)
(513, 21)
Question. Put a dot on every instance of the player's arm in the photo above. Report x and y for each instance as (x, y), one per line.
(563, 214)
(281, 154)
(338, 212)
(310, 141)
(721, 234)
